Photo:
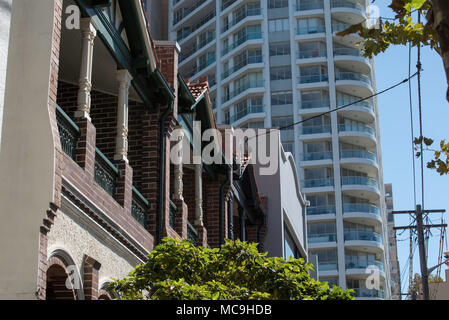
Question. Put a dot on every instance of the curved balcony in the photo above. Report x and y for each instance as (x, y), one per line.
(362, 154)
(313, 106)
(312, 54)
(195, 49)
(368, 293)
(188, 11)
(365, 160)
(348, 11)
(364, 110)
(361, 181)
(352, 59)
(318, 31)
(357, 133)
(188, 33)
(352, 76)
(360, 208)
(310, 5)
(248, 36)
(363, 236)
(356, 83)
(313, 81)
(364, 265)
(329, 267)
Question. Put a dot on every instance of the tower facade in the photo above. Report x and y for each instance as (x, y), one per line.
(272, 63)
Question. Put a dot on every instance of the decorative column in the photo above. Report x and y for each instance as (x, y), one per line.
(121, 143)
(88, 34)
(178, 171)
(198, 195)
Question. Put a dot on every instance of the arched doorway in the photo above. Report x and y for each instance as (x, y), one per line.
(57, 288)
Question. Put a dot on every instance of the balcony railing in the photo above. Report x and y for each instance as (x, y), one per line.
(248, 110)
(192, 234)
(314, 183)
(346, 4)
(187, 32)
(315, 129)
(339, 26)
(105, 173)
(311, 30)
(363, 181)
(347, 52)
(240, 40)
(327, 266)
(196, 47)
(363, 154)
(68, 132)
(247, 13)
(360, 207)
(363, 264)
(357, 128)
(363, 104)
(227, 3)
(307, 54)
(354, 76)
(326, 209)
(247, 85)
(368, 293)
(240, 65)
(324, 237)
(363, 236)
(313, 78)
(172, 214)
(139, 207)
(187, 11)
(312, 104)
(304, 5)
(321, 155)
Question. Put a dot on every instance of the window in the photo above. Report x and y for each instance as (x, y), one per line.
(281, 98)
(312, 49)
(321, 200)
(278, 25)
(281, 73)
(280, 49)
(318, 173)
(314, 99)
(310, 25)
(288, 147)
(321, 146)
(313, 74)
(273, 4)
(290, 248)
(327, 259)
(282, 122)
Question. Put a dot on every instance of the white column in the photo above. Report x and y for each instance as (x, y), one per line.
(88, 34)
(178, 171)
(198, 195)
(121, 144)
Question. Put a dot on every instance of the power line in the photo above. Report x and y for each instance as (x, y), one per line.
(411, 120)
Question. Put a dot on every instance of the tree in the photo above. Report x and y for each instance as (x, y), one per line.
(403, 30)
(237, 271)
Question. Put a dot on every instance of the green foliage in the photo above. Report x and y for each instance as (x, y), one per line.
(440, 161)
(237, 271)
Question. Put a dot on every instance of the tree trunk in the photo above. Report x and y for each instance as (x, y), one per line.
(440, 21)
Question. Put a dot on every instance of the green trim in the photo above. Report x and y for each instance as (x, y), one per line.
(67, 118)
(163, 84)
(106, 160)
(140, 196)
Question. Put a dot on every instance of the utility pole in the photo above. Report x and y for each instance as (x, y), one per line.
(418, 212)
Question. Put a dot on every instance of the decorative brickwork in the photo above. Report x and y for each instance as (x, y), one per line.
(90, 278)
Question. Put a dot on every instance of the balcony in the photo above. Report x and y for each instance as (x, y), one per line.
(347, 4)
(227, 3)
(310, 30)
(362, 154)
(246, 111)
(309, 5)
(363, 236)
(240, 65)
(317, 210)
(315, 183)
(315, 129)
(363, 104)
(240, 17)
(192, 234)
(313, 78)
(309, 54)
(353, 76)
(339, 26)
(327, 266)
(348, 52)
(312, 104)
(247, 85)
(172, 215)
(189, 52)
(105, 173)
(188, 31)
(188, 11)
(324, 237)
(313, 156)
(360, 207)
(357, 128)
(363, 264)
(368, 293)
(139, 207)
(68, 132)
(241, 40)
(363, 181)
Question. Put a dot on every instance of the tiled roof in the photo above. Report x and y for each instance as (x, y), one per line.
(198, 88)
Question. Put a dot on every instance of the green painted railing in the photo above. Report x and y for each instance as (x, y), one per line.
(105, 173)
(172, 214)
(192, 234)
(68, 132)
(139, 207)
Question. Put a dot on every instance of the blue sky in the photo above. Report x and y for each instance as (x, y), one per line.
(394, 114)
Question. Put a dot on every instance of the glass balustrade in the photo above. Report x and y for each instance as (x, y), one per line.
(325, 209)
(363, 154)
(311, 104)
(357, 180)
(354, 76)
(360, 207)
(324, 237)
(252, 109)
(315, 129)
(313, 78)
(322, 155)
(363, 236)
(363, 264)
(307, 54)
(356, 128)
(310, 30)
(314, 183)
